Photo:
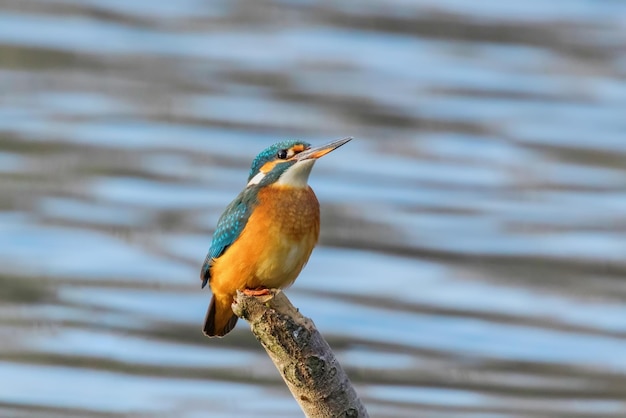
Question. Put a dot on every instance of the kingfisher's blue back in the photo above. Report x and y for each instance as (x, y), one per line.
(229, 227)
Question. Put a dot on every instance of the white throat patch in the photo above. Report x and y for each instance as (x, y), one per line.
(297, 175)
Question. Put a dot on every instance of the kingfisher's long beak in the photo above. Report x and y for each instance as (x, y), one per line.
(317, 152)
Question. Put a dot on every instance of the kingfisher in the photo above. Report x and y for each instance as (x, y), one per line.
(266, 235)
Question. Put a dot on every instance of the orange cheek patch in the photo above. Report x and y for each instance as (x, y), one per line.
(298, 148)
(267, 167)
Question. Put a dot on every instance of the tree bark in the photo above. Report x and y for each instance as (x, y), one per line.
(303, 358)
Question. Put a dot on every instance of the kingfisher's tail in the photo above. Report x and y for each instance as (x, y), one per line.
(220, 319)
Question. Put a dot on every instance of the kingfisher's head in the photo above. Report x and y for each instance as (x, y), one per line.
(288, 163)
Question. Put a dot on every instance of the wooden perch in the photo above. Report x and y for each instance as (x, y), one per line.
(303, 358)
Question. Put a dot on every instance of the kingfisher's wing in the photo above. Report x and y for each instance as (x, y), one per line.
(229, 227)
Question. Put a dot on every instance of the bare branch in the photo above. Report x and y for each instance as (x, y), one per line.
(303, 358)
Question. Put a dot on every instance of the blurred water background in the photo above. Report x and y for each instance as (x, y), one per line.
(473, 240)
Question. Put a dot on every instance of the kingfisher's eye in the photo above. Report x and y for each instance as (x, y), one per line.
(282, 154)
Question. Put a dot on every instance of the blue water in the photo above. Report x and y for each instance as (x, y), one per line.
(471, 261)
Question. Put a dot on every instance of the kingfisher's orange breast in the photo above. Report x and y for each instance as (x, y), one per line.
(275, 244)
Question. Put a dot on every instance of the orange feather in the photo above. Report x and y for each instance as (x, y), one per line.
(270, 252)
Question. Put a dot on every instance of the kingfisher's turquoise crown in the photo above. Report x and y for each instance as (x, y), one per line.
(270, 154)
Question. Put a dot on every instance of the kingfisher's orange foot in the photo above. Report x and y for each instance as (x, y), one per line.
(257, 292)
(262, 294)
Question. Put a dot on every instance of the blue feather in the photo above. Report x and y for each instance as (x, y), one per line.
(229, 227)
